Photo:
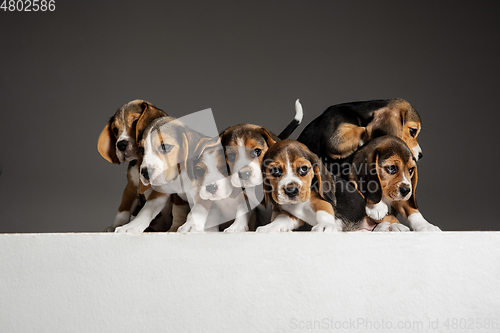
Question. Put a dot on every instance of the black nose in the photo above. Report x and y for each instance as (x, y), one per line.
(291, 191)
(145, 172)
(212, 188)
(245, 174)
(420, 155)
(404, 191)
(122, 145)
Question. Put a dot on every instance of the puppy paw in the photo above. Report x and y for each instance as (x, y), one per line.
(130, 228)
(110, 229)
(418, 223)
(233, 228)
(189, 227)
(426, 227)
(275, 227)
(382, 227)
(325, 227)
(398, 227)
(377, 211)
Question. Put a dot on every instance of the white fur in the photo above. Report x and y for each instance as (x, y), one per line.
(214, 176)
(377, 211)
(326, 222)
(242, 215)
(387, 226)
(418, 223)
(289, 178)
(146, 215)
(244, 162)
(416, 150)
(299, 113)
(281, 223)
(152, 162)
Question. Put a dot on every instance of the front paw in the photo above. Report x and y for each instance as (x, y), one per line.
(325, 227)
(398, 227)
(426, 227)
(130, 228)
(236, 228)
(189, 227)
(377, 211)
(110, 229)
(382, 227)
(274, 227)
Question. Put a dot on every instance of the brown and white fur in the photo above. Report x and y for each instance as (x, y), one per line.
(118, 144)
(385, 172)
(300, 190)
(166, 145)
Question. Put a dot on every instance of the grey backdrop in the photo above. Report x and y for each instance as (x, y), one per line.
(64, 73)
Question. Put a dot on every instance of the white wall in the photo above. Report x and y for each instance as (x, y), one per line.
(355, 282)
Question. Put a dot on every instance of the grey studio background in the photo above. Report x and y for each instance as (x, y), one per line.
(64, 73)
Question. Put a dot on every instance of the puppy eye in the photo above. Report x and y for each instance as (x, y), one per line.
(165, 148)
(413, 132)
(275, 172)
(231, 157)
(255, 153)
(115, 130)
(303, 170)
(411, 171)
(391, 169)
(200, 172)
(141, 150)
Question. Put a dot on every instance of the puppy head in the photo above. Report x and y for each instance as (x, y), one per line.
(385, 168)
(165, 147)
(245, 146)
(209, 171)
(291, 171)
(398, 119)
(117, 142)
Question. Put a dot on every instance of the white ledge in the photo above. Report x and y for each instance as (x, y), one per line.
(290, 282)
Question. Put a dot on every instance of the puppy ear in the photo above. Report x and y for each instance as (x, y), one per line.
(413, 199)
(149, 113)
(268, 190)
(324, 180)
(106, 145)
(270, 138)
(364, 175)
(386, 121)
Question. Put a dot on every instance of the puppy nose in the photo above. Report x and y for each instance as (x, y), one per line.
(420, 155)
(145, 172)
(122, 145)
(404, 191)
(212, 188)
(245, 174)
(291, 191)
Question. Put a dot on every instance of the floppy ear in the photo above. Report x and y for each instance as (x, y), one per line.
(386, 121)
(324, 180)
(203, 144)
(149, 113)
(270, 138)
(413, 199)
(364, 175)
(106, 145)
(268, 190)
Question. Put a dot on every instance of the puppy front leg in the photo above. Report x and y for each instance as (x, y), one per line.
(242, 218)
(153, 206)
(283, 222)
(197, 218)
(180, 211)
(130, 200)
(325, 216)
(413, 217)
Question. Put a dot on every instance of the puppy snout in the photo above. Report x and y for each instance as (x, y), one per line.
(145, 172)
(245, 174)
(420, 155)
(404, 190)
(122, 145)
(212, 188)
(291, 190)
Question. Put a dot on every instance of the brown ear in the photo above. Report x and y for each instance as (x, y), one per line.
(270, 138)
(106, 145)
(268, 190)
(364, 175)
(413, 199)
(149, 113)
(324, 180)
(386, 121)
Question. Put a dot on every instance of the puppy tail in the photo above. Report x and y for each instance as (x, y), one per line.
(299, 114)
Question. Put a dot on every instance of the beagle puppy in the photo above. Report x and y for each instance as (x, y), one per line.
(216, 200)
(385, 173)
(300, 190)
(118, 144)
(245, 146)
(165, 146)
(339, 131)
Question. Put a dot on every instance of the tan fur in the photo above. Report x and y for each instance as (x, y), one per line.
(347, 139)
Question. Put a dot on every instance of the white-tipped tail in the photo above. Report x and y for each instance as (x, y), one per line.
(299, 113)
